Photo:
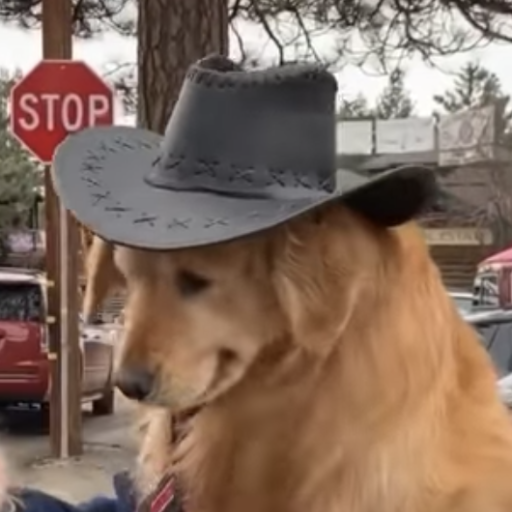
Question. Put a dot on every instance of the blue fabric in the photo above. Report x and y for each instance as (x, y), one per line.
(100, 504)
(38, 501)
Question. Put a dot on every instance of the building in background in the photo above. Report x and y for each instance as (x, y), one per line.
(472, 218)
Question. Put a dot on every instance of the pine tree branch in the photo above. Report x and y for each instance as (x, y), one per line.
(389, 28)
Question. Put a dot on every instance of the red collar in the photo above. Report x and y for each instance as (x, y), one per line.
(165, 498)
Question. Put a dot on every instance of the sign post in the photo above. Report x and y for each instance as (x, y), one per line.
(56, 98)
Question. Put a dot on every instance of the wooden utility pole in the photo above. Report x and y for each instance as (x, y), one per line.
(62, 242)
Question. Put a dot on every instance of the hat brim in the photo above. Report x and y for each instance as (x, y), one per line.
(99, 174)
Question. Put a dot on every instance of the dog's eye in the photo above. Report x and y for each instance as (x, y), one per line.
(190, 284)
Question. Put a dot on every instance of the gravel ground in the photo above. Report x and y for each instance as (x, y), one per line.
(109, 447)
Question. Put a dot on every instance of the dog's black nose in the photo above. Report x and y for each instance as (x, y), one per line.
(135, 383)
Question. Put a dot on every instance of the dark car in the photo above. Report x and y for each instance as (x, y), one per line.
(24, 355)
(494, 327)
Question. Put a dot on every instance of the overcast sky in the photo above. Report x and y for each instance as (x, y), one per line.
(22, 50)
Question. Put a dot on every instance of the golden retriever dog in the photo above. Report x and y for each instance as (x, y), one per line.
(7, 501)
(103, 278)
(327, 368)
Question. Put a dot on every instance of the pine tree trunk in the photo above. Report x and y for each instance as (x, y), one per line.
(171, 35)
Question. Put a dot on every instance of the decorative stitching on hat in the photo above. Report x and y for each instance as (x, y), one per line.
(221, 72)
(205, 172)
(183, 223)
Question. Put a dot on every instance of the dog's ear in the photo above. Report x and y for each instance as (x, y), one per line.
(103, 277)
(317, 290)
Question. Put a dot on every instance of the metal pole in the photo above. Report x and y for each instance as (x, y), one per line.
(62, 271)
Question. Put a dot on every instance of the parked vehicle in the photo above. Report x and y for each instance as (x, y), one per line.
(463, 300)
(495, 331)
(24, 355)
(505, 389)
(493, 280)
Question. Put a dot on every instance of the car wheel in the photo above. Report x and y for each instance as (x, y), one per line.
(105, 405)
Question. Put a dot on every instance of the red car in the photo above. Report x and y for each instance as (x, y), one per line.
(24, 365)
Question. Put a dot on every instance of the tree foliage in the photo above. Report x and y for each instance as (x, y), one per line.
(359, 29)
(393, 103)
(356, 108)
(20, 177)
(90, 17)
(476, 86)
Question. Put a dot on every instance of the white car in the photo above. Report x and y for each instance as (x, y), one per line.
(463, 300)
(494, 328)
(505, 389)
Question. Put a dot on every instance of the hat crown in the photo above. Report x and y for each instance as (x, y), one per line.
(256, 133)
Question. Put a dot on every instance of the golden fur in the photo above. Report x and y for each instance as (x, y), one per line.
(335, 372)
(102, 275)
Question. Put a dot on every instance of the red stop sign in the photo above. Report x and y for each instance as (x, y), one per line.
(56, 98)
